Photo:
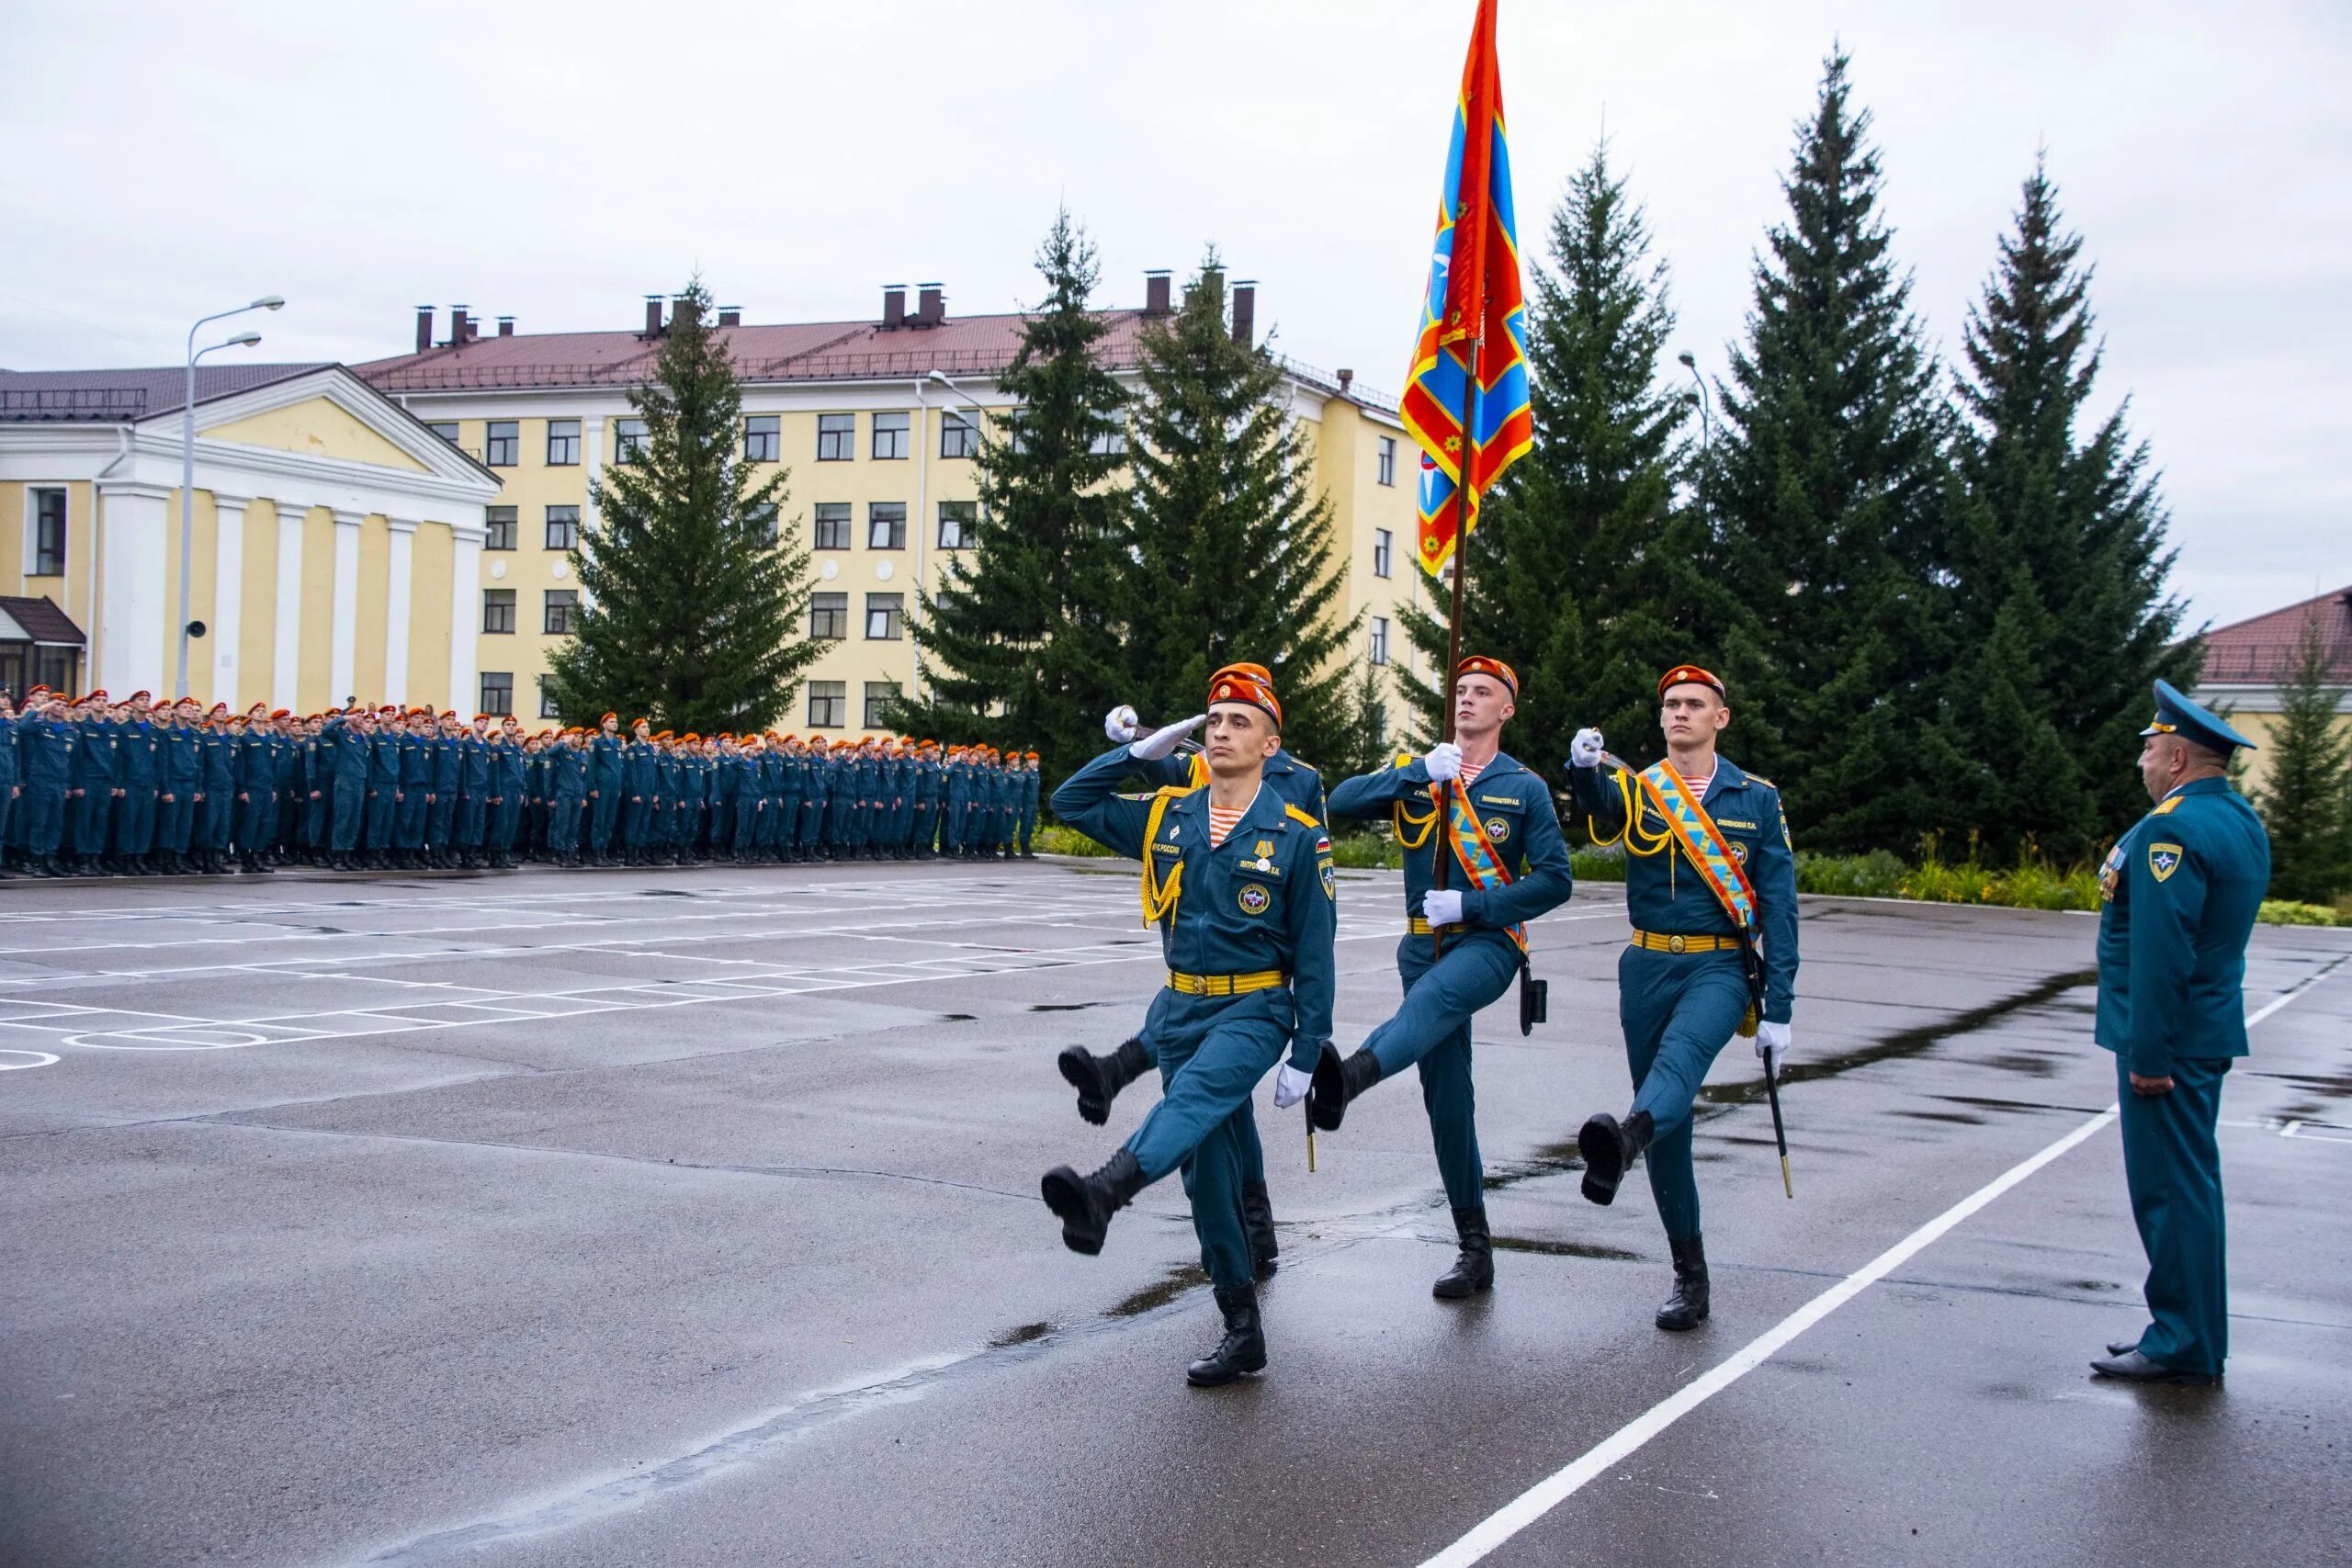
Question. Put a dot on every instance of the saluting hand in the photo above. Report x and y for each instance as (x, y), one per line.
(1120, 723)
(1584, 749)
(1163, 740)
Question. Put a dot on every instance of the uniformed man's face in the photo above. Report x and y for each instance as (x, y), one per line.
(1691, 713)
(1238, 737)
(1481, 705)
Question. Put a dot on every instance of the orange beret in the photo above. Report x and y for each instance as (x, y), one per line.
(1479, 664)
(1690, 675)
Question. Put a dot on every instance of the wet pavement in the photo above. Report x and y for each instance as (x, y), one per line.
(690, 1218)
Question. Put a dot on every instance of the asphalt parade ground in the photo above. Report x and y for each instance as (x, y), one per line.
(690, 1217)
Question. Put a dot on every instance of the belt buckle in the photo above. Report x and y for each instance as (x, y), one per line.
(1675, 943)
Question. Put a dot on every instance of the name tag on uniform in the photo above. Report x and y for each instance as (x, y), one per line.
(1727, 822)
(1499, 800)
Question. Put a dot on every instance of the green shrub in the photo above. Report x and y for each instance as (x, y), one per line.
(1874, 875)
(1366, 851)
(1054, 840)
(2287, 913)
(1598, 865)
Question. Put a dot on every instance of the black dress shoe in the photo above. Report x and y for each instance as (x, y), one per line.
(1258, 1225)
(2121, 1347)
(1243, 1348)
(1473, 1266)
(1687, 1308)
(1085, 1203)
(1099, 1079)
(2132, 1367)
(1337, 1082)
(1609, 1148)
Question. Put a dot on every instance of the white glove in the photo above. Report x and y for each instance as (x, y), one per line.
(1120, 723)
(1441, 906)
(1772, 1041)
(1443, 761)
(1584, 751)
(1290, 1087)
(1161, 742)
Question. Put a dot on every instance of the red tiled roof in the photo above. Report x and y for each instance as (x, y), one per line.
(2263, 651)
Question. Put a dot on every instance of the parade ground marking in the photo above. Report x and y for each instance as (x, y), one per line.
(1562, 1484)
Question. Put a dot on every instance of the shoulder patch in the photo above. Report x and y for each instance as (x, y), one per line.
(2166, 807)
(2164, 860)
(1295, 815)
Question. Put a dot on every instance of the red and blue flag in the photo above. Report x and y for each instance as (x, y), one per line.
(1473, 313)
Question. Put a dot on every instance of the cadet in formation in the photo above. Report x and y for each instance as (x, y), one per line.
(1466, 807)
(1241, 886)
(2178, 897)
(1710, 888)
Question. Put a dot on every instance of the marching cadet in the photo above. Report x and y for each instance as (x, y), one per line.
(1463, 944)
(222, 732)
(1242, 888)
(1708, 872)
(2178, 897)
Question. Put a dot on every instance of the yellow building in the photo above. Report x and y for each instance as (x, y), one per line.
(877, 422)
(335, 541)
(2249, 664)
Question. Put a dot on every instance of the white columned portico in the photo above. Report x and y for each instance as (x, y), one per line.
(397, 599)
(342, 659)
(132, 607)
(465, 614)
(228, 592)
(286, 643)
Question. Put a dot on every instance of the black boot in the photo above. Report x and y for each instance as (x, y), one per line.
(1608, 1149)
(1099, 1079)
(1687, 1306)
(1257, 1224)
(1473, 1266)
(1243, 1348)
(1087, 1203)
(1338, 1082)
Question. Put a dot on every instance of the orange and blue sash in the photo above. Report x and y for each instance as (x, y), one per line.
(1479, 860)
(1702, 842)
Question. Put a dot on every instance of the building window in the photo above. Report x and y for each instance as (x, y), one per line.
(886, 617)
(548, 708)
(563, 527)
(563, 445)
(959, 524)
(498, 691)
(958, 436)
(628, 440)
(826, 701)
(762, 520)
(1389, 460)
(499, 445)
(498, 527)
(562, 617)
(885, 525)
(879, 695)
(832, 521)
(889, 436)
(1383, 551)
(1380, 640)
(828, 616)
(836, 440)
(49, 534)
(498, 609)
(1111, 443)
(446, 429)
(763, 439)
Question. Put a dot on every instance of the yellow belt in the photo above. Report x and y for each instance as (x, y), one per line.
(1678, 943)
(1416, 926)
(1224, 985)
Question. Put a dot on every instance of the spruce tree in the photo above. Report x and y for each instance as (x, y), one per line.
(2061, 615)
(693, 598)
(1020, 617)
(1586, 573)
(1227, 543)
(1829, 482)
(2305, 793)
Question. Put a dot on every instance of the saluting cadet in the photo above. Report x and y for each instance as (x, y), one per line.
(1242, 888)
(1709, 873)
(2178, 897)
(47, 743)
(1464, 943)
(348, 749)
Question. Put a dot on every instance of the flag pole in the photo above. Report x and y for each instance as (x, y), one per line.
(1454, 621)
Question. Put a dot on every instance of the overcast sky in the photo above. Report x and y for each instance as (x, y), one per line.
(558, 161)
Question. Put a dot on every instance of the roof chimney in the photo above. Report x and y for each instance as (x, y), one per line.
(894, 306)
(930, 304)
(680, 311)
(654, 315)
(1346, 376)
(1154, 293)
(423, 327)
(731, 315)
(1245, 312)
(505, 326)
(457, 326)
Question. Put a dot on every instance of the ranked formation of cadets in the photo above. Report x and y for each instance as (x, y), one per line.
(91, 788)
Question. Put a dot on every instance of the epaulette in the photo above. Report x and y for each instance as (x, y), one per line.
(1759, 778)
(1404, 759)
(2165, 807)
(1295, 815)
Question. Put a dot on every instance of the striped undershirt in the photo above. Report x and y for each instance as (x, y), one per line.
(1222, 822)
(1470, 771)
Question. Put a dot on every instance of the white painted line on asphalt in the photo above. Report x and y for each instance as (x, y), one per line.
(1561, 1485)
(39, 1059)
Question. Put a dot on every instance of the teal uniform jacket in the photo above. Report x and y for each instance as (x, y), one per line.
(1516, 807)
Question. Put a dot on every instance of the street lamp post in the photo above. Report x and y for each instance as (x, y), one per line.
(1706, 426)
(187, 457)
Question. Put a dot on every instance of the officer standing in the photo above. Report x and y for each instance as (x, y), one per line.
(2179, 894)
(1505, 865)
(1707, 860)
(45, 764)
(1242, 888)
